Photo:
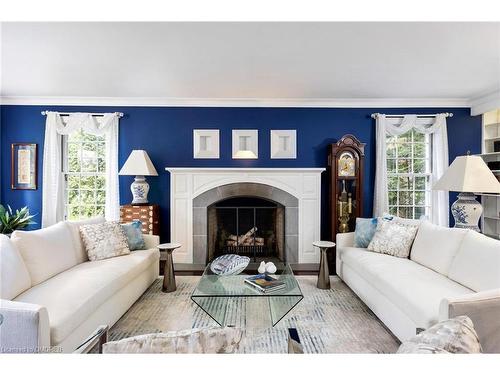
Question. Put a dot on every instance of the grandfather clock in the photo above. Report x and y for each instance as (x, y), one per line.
(345, 162)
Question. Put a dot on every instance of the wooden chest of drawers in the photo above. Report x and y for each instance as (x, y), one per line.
(148, 215)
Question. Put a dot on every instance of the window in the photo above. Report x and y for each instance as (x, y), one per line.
(84, 168)
(409, 174)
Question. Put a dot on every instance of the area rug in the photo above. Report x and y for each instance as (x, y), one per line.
(328, 321)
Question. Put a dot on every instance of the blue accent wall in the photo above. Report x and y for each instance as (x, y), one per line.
(166, 133)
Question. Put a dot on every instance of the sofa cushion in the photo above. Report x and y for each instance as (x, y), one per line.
(477, 263)
(436, 246)
(72, 296)
(46, 252)
(415, 289)
(74, 226)
(14, 276)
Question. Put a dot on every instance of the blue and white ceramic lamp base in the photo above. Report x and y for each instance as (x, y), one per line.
(467, 211)
(140, 190)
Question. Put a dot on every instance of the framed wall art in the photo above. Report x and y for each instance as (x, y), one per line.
(245, 144)
(23, 166)
(283, 144)
(206, 143)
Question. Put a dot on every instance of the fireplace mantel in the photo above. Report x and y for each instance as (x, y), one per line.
(188, 183)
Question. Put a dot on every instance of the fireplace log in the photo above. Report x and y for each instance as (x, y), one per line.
(246, 239)
(247, 235)
(259, 241)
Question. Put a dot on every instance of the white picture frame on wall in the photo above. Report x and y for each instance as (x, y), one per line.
(206, 144)
(245, 144)
(283, 144)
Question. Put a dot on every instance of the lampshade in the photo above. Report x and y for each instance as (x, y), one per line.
(138, 164)
(468, 174)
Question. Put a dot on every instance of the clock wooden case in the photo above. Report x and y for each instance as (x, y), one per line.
(345, 165)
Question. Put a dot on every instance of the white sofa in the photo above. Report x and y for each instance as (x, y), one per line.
(450, 272)
(53, 298)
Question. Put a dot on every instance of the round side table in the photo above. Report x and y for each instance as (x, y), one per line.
(324, 273)
(168, 269)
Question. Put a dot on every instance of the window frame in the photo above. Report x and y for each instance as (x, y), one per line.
(399, 208)
(65, 141)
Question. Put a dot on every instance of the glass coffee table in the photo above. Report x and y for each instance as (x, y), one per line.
(229, 300)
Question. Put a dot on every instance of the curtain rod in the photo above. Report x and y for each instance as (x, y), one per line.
(119, 114)
(447, 114)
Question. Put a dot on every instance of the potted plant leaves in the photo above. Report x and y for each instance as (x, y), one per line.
(11, 221)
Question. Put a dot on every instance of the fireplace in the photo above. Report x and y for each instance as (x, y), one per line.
(294, 191)
(249, 226)
(251, 219)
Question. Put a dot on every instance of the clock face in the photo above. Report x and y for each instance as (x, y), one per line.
(346, 165)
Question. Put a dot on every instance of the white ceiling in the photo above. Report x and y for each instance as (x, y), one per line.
(288, 61)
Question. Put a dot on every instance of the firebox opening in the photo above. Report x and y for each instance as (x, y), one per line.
(250, 226)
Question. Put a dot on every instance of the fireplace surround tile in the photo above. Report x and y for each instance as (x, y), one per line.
(292, 220)
(291, 248)
(244, 189)
(199, 249)
(199, 221)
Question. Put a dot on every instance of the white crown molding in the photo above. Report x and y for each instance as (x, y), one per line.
(236, 102)
(485, 103)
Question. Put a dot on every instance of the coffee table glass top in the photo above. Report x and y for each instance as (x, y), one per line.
(218, 295)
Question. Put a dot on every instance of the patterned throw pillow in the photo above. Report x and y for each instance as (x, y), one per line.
(104, 240)
(134, 235)
(365, 229)
(393, 238)
(192, 341)
(455, 335)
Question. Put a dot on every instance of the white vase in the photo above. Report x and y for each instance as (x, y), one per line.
(467, 211)
(140, 190)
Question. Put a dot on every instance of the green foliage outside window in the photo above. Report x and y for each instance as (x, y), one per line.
(85, 169)
(408, 172)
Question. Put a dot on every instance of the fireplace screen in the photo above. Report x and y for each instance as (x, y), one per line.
(246, 226)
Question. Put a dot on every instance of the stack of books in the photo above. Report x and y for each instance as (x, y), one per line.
(265, 283)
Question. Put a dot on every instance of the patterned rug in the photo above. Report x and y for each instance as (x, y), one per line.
(328, 321)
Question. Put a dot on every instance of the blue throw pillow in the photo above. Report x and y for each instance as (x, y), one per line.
(134, 235)
(365, 229)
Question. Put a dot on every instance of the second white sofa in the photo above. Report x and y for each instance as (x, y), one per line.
(55, 297)
(449, 272)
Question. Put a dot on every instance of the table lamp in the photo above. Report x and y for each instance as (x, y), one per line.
(139, 165)
(468, 175)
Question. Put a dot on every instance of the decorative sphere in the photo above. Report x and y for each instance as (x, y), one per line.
(262, 267)
(270, 267)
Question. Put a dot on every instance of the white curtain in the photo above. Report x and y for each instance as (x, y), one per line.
(53, 187)
(394, 126)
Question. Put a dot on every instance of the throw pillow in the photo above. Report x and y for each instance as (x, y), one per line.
(134, 235)
(104, 240)
(192, 341)
(455, 335)
(364, 231)
(393, 238)
(402, 220)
